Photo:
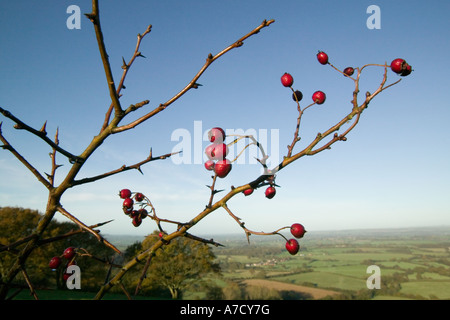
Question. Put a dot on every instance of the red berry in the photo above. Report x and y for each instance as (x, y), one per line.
(292, 246)
(319, 97)
(287, 80)
(209, 165)
(66, 276)
(248, 192)
(125, 193)
(134, 213)
(270, 192)
(217, 151)
(139, 197)
(297, 96)
(128, 203)
(54, 263)
(216, 135)
(69, 253)
(349, 71)
(222, 168)
(143, 213)
(298, 230)
(398, 65)
(137, 221)
(322, 57)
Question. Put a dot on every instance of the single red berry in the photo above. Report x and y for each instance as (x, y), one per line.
(124, 193)
(319, 97)
(297, 96)
(287, 80)
(398, 65)
(139, 197)
(216, 135)
(217, 152)
(349, 71)
(209, 165)
(209, 150)
(66, 276)
(54, 263)
(134, 213)
(128, 203)
(69, 253)
(292, 246)
(160, 234)
(126, 210)
(137, 221)
(270, 192)
(298, 230)
(143, 213)
(222, 168)
(322, 57)
(248, 192)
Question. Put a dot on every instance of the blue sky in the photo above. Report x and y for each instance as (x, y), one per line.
(392, 172)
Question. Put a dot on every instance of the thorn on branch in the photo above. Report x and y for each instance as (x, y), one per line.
(43, 128)
(124, 66)
(91, 16)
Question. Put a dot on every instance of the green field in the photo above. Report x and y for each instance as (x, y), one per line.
(414, 263)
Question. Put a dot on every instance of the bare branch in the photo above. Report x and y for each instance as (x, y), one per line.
(126, 67)
(124, 168)
(88, 229)
(193, 83)
(6, 145)
(41, 134)
(95, 19)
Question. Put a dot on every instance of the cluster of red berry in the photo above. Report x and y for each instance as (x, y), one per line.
(69, 254)
(128, 206)
(217, 152)
(298, 231)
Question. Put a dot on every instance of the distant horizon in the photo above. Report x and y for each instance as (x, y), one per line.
(237, 233)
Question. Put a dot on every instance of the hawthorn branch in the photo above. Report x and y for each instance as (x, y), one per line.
(95, 19)
(193, 83)
(6, 145)
(247, 231)
(126, 67)
(136, 166)
(42, 134)
(86, 228)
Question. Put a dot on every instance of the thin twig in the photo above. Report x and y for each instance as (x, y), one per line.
(65, 213)
(41, 134)
(136, 166)
(193, 83)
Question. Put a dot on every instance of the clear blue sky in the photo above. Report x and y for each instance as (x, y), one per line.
(392, 172)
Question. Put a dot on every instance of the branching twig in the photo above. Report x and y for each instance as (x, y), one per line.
(65, 213)
(95, 19)
(193, 83)
(136, 166)
(126, 67)
(247, 231)
(41, 134)
(7, 146)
